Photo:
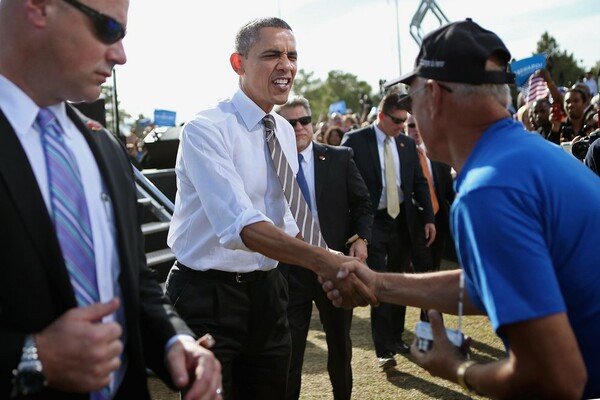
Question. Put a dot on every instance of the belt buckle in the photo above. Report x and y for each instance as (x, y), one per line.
(238, 278)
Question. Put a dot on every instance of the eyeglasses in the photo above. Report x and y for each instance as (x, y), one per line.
(412, 125)
(303, 121)
(446, 88)
(108, 29)
(396, 120)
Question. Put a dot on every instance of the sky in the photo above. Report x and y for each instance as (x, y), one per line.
(178, 50)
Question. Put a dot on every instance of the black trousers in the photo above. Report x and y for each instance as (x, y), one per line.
(246, 315)
(303, 290)
(427, 259)
(389, 251)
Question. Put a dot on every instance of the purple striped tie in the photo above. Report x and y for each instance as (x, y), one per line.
(70, 215)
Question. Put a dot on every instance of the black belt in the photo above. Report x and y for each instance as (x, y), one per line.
(224, 276)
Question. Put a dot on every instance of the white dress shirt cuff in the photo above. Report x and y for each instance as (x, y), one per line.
(231, 238)
(175, 338)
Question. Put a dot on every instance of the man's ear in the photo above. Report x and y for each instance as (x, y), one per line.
(36, 11)
(237, 63)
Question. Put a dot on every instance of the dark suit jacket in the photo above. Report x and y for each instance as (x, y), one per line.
(34, 283)
(442, 178)
(342, 197)
(414, 184)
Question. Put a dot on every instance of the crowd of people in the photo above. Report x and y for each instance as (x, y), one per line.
(566, 116)
(269, 220)
(562, 115)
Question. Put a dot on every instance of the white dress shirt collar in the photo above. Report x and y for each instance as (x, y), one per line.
(380, 135)
(308, 154)
(250, 112)
(21, 110)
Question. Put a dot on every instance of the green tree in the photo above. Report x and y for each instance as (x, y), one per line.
(305, 82)
(561, 64)
(338, 86)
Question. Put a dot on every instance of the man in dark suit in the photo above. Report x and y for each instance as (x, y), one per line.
(81, 315)
(375, 147)
(339, 200)
(430, 257)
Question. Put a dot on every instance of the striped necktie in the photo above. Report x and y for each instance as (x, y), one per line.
(70, 215)
(308, 228)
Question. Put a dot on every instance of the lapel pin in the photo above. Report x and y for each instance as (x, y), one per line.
(94, 126)
(401, 144)
(322, 158)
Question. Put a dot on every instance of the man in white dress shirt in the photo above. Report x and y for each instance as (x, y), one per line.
(232, 223)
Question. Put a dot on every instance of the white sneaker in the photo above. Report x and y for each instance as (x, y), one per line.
(387, 361)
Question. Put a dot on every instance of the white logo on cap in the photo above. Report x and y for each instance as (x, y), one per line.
(431, 63)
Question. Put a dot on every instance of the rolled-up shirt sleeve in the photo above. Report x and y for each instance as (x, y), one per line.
(225, 182)
(211, 170)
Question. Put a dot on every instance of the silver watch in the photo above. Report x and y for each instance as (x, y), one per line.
(28, 377)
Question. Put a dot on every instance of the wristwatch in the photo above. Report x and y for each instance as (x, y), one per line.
(353, 239)
(29, 376)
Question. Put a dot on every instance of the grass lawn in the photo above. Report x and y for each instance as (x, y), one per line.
(405, 381)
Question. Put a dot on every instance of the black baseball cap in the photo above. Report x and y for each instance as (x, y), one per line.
(457, 52)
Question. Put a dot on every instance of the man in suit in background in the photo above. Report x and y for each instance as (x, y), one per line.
(442, 197)
(81, 315)
(426, 258)
(339, 201)
(383, 154)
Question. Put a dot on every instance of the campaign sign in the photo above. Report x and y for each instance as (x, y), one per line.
(525, 67)
(338, 107)
(164, 118)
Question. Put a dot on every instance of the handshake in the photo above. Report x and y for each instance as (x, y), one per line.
(350, 285)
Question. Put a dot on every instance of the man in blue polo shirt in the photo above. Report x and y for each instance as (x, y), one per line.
(525, 223)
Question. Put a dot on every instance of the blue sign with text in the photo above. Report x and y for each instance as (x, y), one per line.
(527, 66)
(164, 117)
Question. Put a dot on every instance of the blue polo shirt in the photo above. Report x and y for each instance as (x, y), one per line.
(526, 221)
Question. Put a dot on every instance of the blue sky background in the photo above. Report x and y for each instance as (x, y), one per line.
(179, 50)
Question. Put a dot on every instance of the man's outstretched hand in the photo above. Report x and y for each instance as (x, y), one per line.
(352, 286)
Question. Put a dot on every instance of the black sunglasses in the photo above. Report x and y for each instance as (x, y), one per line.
(412, 125)
(108, 29)
(396, 120)
(303, 120)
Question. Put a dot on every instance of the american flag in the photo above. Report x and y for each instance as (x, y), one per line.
(535, 88)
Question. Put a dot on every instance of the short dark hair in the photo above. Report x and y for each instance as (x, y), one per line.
(249, 34)
(544, 100)
(577, 89)
(395, 101)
